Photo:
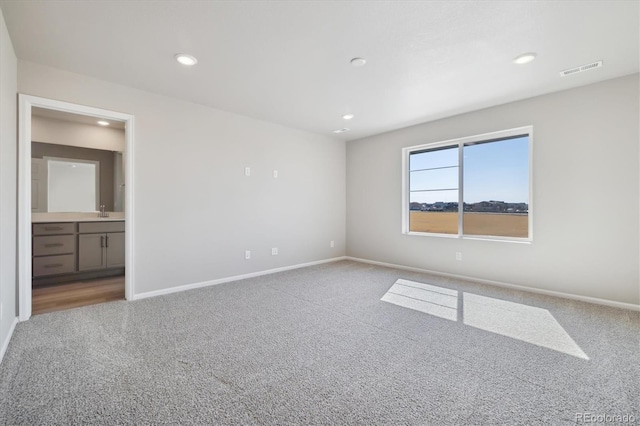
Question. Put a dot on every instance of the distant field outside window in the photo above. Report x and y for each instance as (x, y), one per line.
(471, 187)
(434, 183)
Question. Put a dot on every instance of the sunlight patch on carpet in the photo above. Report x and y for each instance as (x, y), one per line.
(429, 299)
(526, 323)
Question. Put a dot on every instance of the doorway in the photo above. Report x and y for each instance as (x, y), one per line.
(27, 104)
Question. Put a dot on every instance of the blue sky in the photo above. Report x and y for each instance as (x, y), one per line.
(492, 171)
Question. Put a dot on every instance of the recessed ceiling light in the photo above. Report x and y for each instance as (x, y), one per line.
(185, 59)
(348, 116)
(103, 123)
(525, 58)
(344, 129)
(358, 62)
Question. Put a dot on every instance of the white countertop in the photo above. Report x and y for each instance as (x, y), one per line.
(75, 217)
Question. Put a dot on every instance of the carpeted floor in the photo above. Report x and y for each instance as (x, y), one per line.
(318, 346)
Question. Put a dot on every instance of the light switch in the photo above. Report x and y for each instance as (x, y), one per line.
(275, 174)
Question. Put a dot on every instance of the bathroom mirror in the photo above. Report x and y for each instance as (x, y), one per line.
(72, 185)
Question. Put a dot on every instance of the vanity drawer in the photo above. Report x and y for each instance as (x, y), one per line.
(51, 265)
(54, 244)
(100, 227)
(53, 228)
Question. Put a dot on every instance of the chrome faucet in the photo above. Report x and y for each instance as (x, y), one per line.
(102, 213)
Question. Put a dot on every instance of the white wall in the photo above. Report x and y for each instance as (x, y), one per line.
(585, 197)
(195, 211)
(49, 130)
(8, 172)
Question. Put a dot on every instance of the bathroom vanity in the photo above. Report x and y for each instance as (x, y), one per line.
(68, 247)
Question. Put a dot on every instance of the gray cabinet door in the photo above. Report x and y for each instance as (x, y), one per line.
(115, 249)
(91, 252)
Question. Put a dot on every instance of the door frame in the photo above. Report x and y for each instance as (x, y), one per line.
(26, 103)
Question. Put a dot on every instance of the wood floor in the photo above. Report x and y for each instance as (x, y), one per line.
(76, 294)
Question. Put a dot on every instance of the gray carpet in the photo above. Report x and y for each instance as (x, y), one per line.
(315, 346)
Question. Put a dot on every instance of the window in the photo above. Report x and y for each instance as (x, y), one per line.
(471, 187)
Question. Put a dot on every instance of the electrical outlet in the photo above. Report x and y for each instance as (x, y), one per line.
(247, 255)
(274, 251)
(458, 255)
(332, 244)
(275, 174)
(247, 171)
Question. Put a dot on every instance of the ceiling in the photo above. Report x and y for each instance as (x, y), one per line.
(288, 61)
(75, 118)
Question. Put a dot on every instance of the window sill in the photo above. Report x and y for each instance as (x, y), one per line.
(473, 237)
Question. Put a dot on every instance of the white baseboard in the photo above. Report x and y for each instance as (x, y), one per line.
(587, 299)
(5, 344)
(229, 279)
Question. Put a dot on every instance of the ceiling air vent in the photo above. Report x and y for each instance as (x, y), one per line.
(582, 68)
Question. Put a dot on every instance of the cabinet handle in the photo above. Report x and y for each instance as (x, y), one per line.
(101, 240)
(53, 228)
(54, 265)
(107, 244)
(54, 245)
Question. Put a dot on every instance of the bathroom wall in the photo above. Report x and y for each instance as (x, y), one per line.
(62, 132)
